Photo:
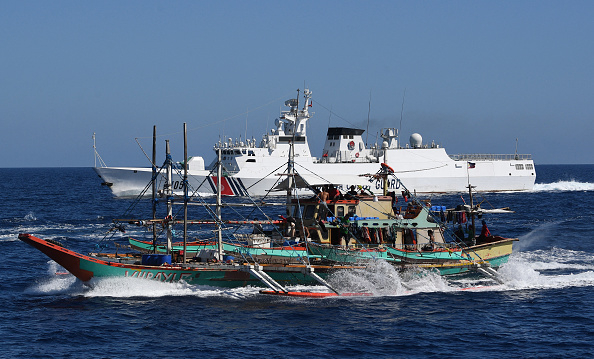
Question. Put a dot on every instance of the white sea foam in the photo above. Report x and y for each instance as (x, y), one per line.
(380, 278)
(563, 186)
(30, 217)
(58, 282)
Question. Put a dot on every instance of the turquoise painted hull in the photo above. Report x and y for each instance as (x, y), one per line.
(341, 255)
(231, 249)
(86, 268)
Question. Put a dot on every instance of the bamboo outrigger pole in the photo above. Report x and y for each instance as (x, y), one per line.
(218, 208)
(168, 192)
(154, 181)
(185, 191)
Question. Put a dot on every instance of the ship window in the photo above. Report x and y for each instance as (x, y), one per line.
(243, 151)
(529, 166)
(251, 160)
(237, 152)
(519, 166)
(351, 137)
(339, 211)
(345, 136)
(251, 153)
(352, 210)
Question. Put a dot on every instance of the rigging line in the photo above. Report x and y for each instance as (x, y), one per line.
(437, 220)
(230, 233)
(334, 113)
(351, 234)
(221, 121)
(261, 179)
(142, 149)
(137, 199)
(310, 171)
(303, 233)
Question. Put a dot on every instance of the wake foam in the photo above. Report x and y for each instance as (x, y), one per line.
(380, 278)
(554, 268)
(563, 186)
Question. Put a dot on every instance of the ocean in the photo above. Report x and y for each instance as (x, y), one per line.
(544, 309)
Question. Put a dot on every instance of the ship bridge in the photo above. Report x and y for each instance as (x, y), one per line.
(345, 144)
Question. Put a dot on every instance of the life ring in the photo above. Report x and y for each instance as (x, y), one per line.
(357, 154)
(388, 168)
(351, 145)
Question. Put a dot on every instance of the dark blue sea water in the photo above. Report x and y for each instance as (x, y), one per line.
(545, 308)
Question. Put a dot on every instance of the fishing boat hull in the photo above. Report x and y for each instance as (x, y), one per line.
(87, 268)
(348, 255)
(242, 251)
(446, 262)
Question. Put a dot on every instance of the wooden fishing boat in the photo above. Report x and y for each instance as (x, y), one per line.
(160, 268)
(372, 227)
(214, 268)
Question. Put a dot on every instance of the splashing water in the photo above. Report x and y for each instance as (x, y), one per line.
(562, 186)
(380, 278)
(537, 234)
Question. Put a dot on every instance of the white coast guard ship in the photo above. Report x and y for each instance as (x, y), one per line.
(253, 168)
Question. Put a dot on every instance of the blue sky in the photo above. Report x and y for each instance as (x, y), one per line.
(477, 74)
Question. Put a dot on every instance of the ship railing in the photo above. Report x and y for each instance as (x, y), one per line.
(491, 157)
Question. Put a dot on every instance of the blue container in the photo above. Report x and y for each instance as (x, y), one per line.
(155, 259)
(228, 258)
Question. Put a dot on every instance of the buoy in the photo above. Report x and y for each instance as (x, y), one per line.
(385, 166)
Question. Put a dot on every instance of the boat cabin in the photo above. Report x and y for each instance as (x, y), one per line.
(366, 220)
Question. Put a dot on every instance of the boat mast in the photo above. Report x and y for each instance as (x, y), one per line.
(169, 194)
(185, 191)
(472, 215)
(154, 188)
(219, 204)
(290, 165)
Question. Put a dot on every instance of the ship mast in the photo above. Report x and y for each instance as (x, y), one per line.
(290, 165)
(472, 228)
